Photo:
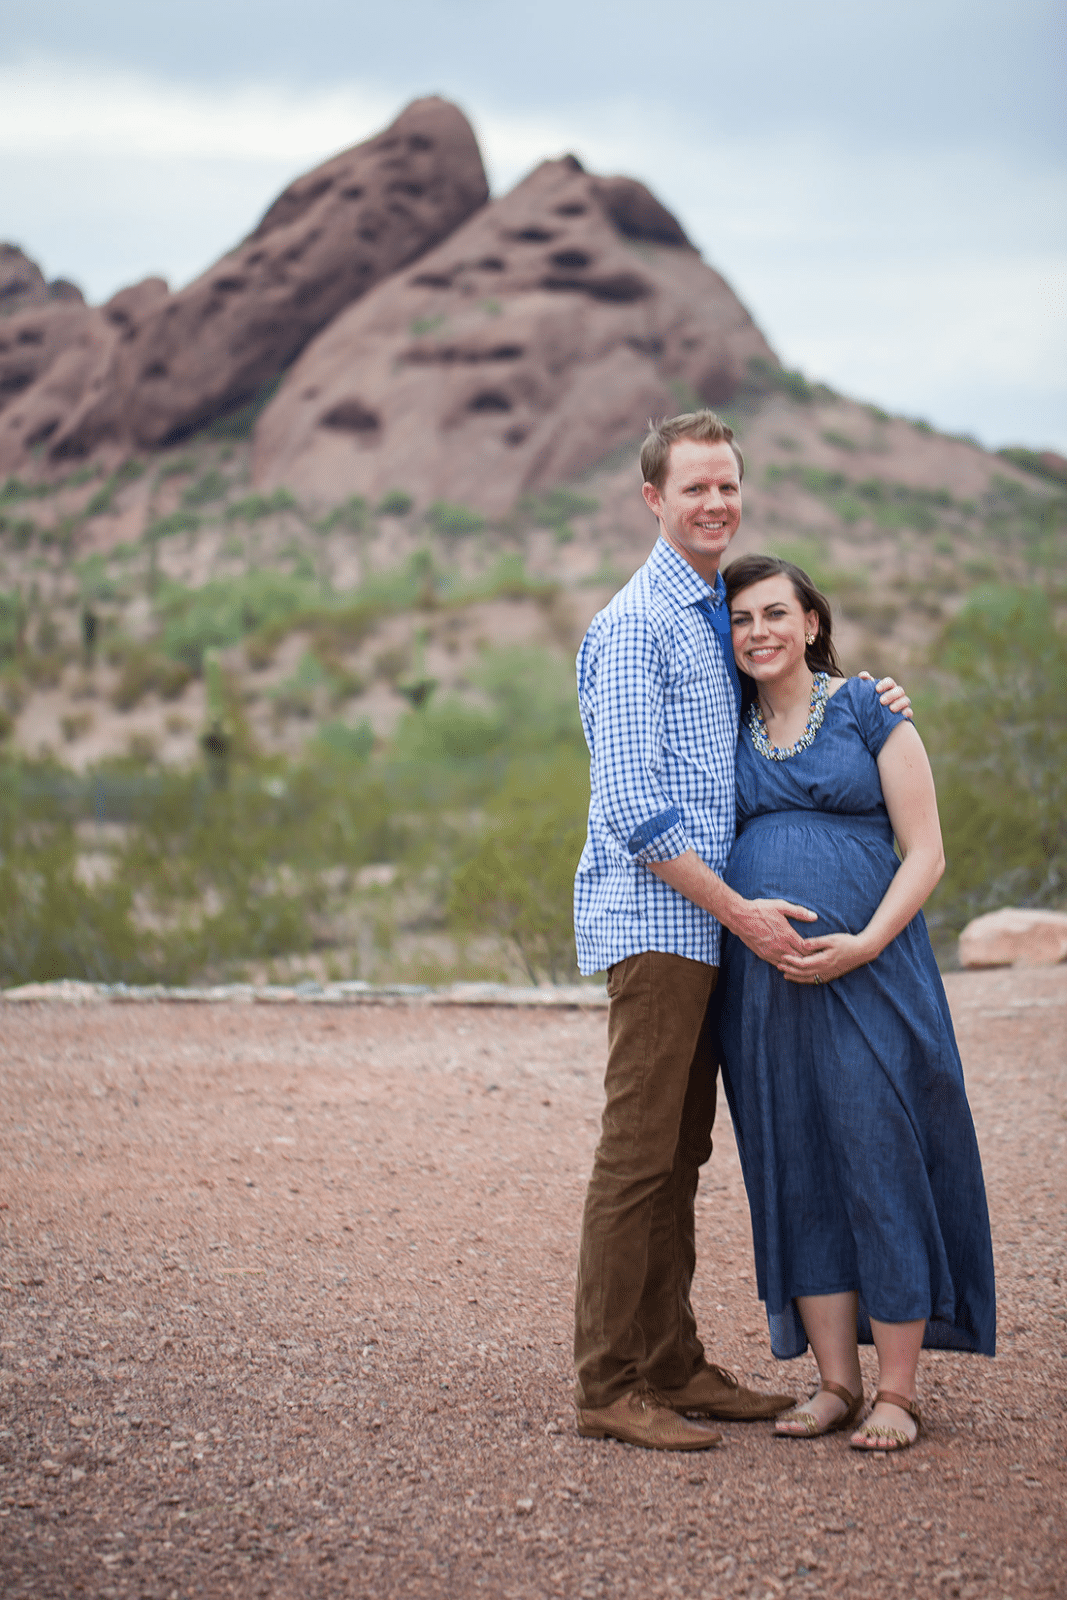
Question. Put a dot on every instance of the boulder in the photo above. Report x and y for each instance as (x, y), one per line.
(537, 339)
(1011, 938)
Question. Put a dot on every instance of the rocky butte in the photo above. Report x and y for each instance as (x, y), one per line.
(532, 343)
(466, 351)
(151, 367)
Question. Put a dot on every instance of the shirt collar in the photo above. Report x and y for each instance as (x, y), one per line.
(685, 582)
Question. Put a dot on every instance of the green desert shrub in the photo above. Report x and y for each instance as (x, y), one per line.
(12, 624)
(177, 467)
(518, 881)
(223, 611)
(254, 507)
(308, 685)
(208, 877)
(996, 727)
(18, 531)
(353, 514)
(395, 503)
(556, 509)
(348, 742)
(1043, 464)
(454, 521)
(55, 926)
(95, 582)
(167, 527)
(143, 671)
(206, 490)
(102, 501)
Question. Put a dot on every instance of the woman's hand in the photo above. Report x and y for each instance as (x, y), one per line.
(827, 956)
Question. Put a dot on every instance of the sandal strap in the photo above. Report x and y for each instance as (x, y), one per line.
(900, 1400)
(840, 1391)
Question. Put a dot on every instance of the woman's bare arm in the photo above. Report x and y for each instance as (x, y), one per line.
(908, 790)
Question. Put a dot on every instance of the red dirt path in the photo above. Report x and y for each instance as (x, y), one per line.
(285, 1300)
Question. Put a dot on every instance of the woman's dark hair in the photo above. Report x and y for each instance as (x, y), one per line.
(747, 570)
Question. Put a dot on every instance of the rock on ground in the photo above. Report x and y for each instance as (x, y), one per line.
(1014, 938)
(537, 339)
(286, 1311)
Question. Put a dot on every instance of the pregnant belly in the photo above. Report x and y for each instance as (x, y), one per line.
(837, 866)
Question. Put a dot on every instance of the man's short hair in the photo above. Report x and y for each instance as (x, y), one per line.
(704, 426)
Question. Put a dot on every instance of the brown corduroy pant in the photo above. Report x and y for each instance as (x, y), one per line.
(633, 1319)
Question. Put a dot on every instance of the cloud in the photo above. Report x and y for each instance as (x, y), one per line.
(935, 286)
(49, 107)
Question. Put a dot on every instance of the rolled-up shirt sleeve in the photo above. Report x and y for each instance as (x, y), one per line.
(621, 687)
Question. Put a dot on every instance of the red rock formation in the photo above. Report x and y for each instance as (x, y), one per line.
(30, 341)
(23, 286)
(538, 338)
(58, 362)
(327, 238)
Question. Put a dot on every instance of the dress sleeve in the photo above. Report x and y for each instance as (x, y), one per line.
(876, 721)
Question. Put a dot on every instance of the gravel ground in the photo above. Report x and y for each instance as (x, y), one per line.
(286, 1304)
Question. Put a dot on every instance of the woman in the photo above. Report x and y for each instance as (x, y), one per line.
(841, 1068)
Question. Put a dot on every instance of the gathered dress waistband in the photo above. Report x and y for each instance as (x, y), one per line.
(873, 827)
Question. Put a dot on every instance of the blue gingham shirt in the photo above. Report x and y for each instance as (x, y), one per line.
(660, 718)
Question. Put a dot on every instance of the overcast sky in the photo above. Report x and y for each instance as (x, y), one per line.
(884, 186)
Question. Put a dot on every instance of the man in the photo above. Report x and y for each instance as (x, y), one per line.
(660, 700)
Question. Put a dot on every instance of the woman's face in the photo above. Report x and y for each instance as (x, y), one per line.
(769, 626)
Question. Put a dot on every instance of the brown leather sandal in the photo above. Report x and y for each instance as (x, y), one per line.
(812, 1427)
(898, 1439)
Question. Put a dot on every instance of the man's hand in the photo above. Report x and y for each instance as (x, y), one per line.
(891, 695)
(763, 926)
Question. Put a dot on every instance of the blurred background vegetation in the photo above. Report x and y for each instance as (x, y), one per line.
(467, 824)
(295, 835)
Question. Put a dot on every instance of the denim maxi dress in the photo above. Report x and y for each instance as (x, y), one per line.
(856, 1140)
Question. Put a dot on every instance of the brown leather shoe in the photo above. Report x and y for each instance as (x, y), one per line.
(714, 1392)
(645, 1418)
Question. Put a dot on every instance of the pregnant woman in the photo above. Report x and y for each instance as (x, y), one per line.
(869, 1215)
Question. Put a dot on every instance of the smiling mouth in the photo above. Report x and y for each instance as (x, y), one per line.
(765, 653)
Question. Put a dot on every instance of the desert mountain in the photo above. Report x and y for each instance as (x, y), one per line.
(289, 678)
(535, 340)
(150, 367)
(451, 456)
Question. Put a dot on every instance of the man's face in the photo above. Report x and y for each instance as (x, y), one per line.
(699, 506)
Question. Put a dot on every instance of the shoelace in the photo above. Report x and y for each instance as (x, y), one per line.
(653, 1397)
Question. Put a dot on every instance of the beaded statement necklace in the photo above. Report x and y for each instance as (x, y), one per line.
(817, 710)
